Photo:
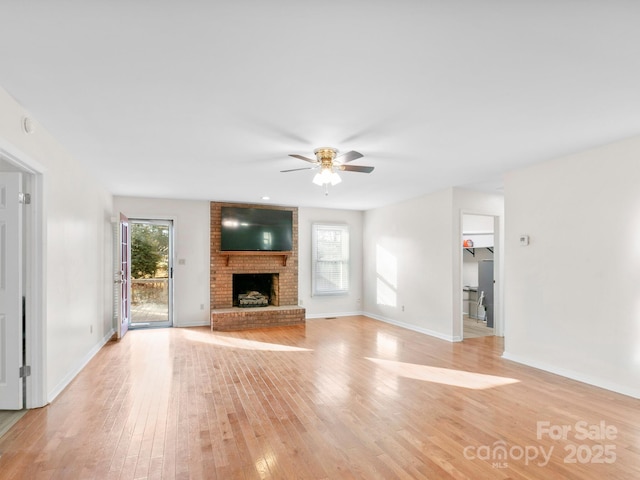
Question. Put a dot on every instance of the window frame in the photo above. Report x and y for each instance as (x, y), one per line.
(343, 263)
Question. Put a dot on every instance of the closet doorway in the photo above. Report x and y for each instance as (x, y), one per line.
(151, 266)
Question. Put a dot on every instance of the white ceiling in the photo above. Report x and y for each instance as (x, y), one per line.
(199, 99)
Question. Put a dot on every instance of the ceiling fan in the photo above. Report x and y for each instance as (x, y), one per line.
(329, 163)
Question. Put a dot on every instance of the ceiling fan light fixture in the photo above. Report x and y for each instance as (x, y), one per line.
(326, 176)
(317, 179)
(328, 162)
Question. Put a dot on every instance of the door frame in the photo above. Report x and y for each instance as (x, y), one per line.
(34, 267)
(498, 255)
(173, 220)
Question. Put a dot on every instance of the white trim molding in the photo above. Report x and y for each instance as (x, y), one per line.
(573, 375)
(426, 331)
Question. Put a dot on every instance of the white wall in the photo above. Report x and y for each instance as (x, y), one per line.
(573, 295)
(407, 271)
(477, 224)
(191, 244)
(329, 306)
(413, 260)
(77, 251)
(192, 232)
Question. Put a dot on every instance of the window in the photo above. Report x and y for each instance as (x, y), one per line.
(330, 259)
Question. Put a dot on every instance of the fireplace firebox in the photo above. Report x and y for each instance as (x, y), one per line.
(251, 284)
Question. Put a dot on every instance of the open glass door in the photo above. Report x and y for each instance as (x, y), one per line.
(123, 277)
(151, 273)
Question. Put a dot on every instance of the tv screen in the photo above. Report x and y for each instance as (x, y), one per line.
(256, 229)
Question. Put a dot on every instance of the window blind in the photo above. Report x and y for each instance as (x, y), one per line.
(330, 254)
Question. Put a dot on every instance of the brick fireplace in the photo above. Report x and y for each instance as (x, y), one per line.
(280, 267)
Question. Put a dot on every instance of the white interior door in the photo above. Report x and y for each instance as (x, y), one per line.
(10, 291)
(124, 260)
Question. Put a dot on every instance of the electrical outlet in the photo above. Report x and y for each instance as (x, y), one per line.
(202, 306)
(90, 328)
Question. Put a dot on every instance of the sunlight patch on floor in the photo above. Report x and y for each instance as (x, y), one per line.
(232, 342)
(444, 376)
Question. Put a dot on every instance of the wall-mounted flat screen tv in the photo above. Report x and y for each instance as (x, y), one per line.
(256, 229)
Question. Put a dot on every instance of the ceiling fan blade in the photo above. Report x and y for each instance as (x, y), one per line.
(296, 169)
(356, 168)
(302, 158)
(349, 156)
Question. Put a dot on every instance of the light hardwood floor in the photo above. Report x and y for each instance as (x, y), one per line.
(473, 328)
(340, 398)
(8, 418)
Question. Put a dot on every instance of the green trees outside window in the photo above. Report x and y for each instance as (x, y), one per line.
(149, 250)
